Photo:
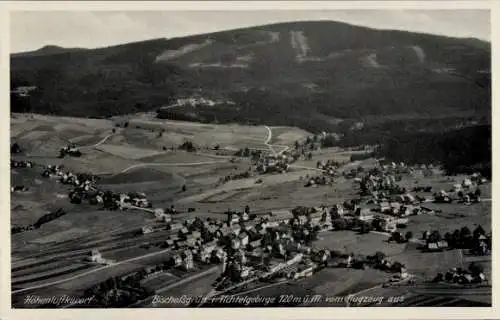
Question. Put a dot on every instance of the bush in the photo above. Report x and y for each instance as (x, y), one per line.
(188, 146)
(408, 235)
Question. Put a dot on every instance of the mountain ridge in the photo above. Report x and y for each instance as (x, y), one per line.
(310, 69)
(480, 42)
(46, 50)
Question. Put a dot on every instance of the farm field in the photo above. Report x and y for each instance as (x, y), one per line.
(199, 286)
(128, 152)
(428, 264)
(177, 157)
(158, 281)
(366, 244)
(127, 253)
(205, 135)
(62, 236)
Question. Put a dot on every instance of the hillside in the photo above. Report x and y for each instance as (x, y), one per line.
(46, 50)
(307, 74)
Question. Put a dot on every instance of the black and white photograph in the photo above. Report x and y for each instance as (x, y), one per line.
(250, 159)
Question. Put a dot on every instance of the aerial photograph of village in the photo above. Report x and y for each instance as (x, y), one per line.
(250, 159)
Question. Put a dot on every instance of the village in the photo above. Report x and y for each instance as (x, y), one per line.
(250, 249)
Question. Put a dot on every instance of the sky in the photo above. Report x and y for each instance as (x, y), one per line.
(31, 30)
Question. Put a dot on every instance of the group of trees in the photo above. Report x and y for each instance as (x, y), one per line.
(464, 150)
(363, 227)
(42, 220)
(15, 148)
(19, 229)
(119, 292)
(474, 269)
(236, 176)
(188, 146)
(49, 217)
(398, 237)
(460, 238)
(245, 153)
(361, 156)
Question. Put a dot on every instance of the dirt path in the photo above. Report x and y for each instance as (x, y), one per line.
(178, 164)
(98, 143)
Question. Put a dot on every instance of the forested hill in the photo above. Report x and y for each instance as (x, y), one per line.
(308, 74)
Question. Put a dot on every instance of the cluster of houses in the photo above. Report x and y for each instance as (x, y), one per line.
(85, 189)
(20, 164)
(183, 260)
(111, 200)
(80, 180)
(375, 182)
(473, 274)
(466, 192)
(353, 174)
(279, 247)
(195, 101)
(70, 150)
(274, 163)
(280, 162)
(18, 188)
(402, 209)
(96, 257)
(377, 261)
(402, 168)
(329, 167)
(244, 244)
(318, 181)
(23, 91)
(53, 171)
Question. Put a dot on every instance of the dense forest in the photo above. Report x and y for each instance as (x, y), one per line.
(465, 150)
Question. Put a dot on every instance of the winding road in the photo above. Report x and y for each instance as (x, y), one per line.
(98, 143)
(268, 139)
(178, 164)
(270, 146)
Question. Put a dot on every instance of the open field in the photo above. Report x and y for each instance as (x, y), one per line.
(285, 136)
(39, 276)
(128, 152)
(366, 244)
(453, 217)
(194, 284)
(158, 281)
(138, 175)
(428, 264)
(40, 268)
(62, 235)
(176, 157)
(127, 253)
(204, 135)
